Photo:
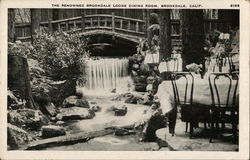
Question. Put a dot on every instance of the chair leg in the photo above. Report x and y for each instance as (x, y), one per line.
(234, 133)
(212, 132)
(186, 127)
(205, 125)
(191, 130)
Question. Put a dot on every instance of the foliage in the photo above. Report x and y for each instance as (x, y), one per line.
(19, 49)
(60, 54)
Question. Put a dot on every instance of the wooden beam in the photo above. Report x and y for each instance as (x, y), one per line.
(35, 21)
(83, 22)
(165, 34)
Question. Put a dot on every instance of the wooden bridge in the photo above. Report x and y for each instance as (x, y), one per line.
(118, 26)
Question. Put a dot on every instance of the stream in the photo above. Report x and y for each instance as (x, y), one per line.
(104, 119)
(106, 79)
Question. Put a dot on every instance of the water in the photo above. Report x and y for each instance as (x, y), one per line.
(107, 74)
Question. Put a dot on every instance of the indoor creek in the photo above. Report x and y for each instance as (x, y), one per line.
(107, 79)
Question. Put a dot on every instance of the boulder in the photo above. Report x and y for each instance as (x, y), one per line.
(27, 118)
(75, 101)
(17, 137)
(75, 113)
(136, 66)
(14, 102)
(124, 132)
(60, 122)
(52, 131)
(120, 110)
(51, 109)
(140, 87)
(95, 108)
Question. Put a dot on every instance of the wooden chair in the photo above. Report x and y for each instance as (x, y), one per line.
(219, 111)
(186, 106)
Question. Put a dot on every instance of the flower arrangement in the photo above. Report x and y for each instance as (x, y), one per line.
(193, 67)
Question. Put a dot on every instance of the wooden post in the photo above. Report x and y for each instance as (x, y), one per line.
(98, 21)
(91, 21)
(121, 21)
(35, 21)
(50, 26)
(113, 22)
(192, 37)
(137, 27)
(129, 23)
(83, 22)
(11, 25)
(74, 22)
(165, 34)
(58, 27)
(105, 22)
(67, 25)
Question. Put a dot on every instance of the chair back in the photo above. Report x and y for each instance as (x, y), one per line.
(227, 82)
(176, 89)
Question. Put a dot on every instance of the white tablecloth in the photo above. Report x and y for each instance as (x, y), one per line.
(201, 93)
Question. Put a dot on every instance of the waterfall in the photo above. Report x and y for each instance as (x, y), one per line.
(106, 74)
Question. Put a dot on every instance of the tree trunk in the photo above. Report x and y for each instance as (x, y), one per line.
(11, 25)
(19, 79)
(35, 15)
(165, 34)
(192, 37)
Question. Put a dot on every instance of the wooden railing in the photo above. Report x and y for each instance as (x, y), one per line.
(116, 24)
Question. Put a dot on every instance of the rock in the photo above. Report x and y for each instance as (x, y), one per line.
(140, 79)
(120, 110)
(93, 103)
(60, 122)
(133, 98)
(95, 108)
(149, 87)
(75, 101)
(27, 118)
(144, 69)
(59, 116)
(140, 87)
(17, 137)
(113, 90)
(51, 109)
(52, 131)
(124, 132)
(136, 66)
(76, 113)
(150, 80)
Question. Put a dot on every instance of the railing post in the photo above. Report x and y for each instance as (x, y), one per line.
(58, 27)
(113, 22)
(83, 22)
(50, 26)
(129, 25)
(105, 22)
(91, 21)
(98, 21)
(74, 22)
(137, 27)
(121, 21)
(67, 26)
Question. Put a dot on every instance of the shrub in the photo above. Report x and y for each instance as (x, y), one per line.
(63, 55)
(60, 54)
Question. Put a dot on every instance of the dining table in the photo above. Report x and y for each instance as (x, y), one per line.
(201, 92)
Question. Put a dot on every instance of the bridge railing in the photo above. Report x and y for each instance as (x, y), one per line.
(116, 24)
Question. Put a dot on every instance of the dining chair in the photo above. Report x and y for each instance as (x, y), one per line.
(224, 111)
(185, 104)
